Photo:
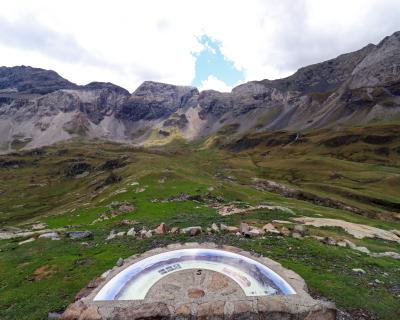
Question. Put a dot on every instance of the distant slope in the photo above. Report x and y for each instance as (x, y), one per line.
(38, 107)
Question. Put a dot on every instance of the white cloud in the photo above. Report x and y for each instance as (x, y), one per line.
(214, 83)
(127, 42)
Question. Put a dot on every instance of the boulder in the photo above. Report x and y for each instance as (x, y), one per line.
(145, 234)
(74, 235)
(175, 230)
(54, 316)
(362, 249)
(230, 229)
(112, 235)
(341, 244)
(285, 231)
(300, 228)
(388, 254)
(358, 270)
(330, 241)
(26, 241)
(161, 229)
(350, 244)
(50, 235)
(131, 232)
(214, 227)
(126, 208)
(120, 262)
(244, 229)
(193, 231)
(296, 235)
(256, 232)
(269, 227)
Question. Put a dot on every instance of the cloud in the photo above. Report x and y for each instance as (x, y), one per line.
(212, 82)
(127, 42)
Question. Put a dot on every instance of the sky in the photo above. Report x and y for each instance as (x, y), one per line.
(211, 44)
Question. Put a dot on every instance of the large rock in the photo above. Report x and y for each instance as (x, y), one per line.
(192, 231)
(74, 235)
(161, 229)
(50, 235)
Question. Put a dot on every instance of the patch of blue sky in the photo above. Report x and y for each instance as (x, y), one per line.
(211, 62)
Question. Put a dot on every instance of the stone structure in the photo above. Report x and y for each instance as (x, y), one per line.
(199, 293)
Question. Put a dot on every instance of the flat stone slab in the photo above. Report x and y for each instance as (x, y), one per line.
(198, 281)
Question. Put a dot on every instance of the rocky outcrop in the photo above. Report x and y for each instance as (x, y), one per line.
(153, 100)
(28, 80)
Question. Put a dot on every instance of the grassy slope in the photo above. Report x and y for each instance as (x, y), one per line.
(38, 190)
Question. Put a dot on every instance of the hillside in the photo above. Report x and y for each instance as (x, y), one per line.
(303, 170)
(107, 189)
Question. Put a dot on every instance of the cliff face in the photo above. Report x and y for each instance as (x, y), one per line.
(39, 107)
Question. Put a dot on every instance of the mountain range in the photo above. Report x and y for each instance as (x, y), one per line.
(38, 107)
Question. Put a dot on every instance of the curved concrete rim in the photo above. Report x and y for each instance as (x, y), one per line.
(299, 305)
(142, 275)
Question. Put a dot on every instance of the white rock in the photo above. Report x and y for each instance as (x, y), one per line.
(131, 232)
(50, 235)
(26, 241)
(341, 244)
(214, 227)
(358, 270)
(362, 249)
(388, 254)
(350, 244)
(112, 235)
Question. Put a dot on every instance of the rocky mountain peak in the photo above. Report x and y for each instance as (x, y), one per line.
(381, 66)
(153, 100)
(105, 86)
(25, 79)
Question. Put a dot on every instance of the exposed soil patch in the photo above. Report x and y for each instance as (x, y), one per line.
(42, 272)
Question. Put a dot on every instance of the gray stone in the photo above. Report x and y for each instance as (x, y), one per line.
(161, 229)
(112, 235)
(300, 228)
(296, 235)
(79, 234)
(214, 227)
(358, 270)
(244, 229)
(193, 231)
(50, 235)
(131, 232)
(329, 240)
(230, 229)
(362, 249)
(388, 254)
(341, 244)
(26, 241)
(120, 262)
(54, 316)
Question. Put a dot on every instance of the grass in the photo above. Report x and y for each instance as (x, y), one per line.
(39, 190)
